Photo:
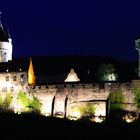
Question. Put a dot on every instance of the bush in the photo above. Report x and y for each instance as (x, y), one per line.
(1, 102)
(7, 101)
(27, 104)
(136, 91)
(85, 110)
(23, 100)
(116, 99)
(35, 105)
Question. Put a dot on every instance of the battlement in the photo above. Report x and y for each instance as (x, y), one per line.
(72, 85)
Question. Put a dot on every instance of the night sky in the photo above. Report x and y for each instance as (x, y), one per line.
(71, 27)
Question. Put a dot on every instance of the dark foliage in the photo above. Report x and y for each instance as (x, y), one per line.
(33, 125)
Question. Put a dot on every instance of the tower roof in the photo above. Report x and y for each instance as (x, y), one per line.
(3, 33)
(31, 75)
(72, 76)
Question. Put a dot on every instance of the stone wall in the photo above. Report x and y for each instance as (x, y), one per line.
(129, 98)
(58, 99)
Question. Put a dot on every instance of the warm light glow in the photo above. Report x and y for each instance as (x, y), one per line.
(17, 108)
(59, 114)
(31, 76)
(111, 77)
(129, 118)
(72, 77)
(97, 119)
(100, 109)
(47, 114)
(46, 108)
(75, 114)
(59, 109)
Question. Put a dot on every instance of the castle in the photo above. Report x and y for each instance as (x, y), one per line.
(60, 100)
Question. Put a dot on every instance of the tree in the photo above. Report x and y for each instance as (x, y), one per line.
(106, 72)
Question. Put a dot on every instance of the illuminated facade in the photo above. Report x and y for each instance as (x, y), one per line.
(70, 99)
(12, 81)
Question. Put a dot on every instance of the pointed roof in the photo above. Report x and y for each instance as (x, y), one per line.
(31, 75)
(3, 34)
(72, 76)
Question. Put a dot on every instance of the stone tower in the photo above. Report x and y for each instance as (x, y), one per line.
(5, 45)
(137, 45)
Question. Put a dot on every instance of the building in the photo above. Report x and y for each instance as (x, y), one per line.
(63, 99)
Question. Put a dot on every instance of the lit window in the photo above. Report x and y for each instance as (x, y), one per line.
(7, 78)
(14, 78)
(22, 78)
(11, 89)
(4, 89)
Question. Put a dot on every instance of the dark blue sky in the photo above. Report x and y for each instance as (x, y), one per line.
(95, 27)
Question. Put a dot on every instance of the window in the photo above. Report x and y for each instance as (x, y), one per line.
(14, 78)
(11, 89)
(22, 78)
(4, 89)
(7, 78)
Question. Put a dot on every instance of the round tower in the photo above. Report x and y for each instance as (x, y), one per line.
(137, 45)
(5, 45)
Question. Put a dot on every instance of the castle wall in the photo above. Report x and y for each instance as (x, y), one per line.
(129, 98)
(46, 96)
(58, 99)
